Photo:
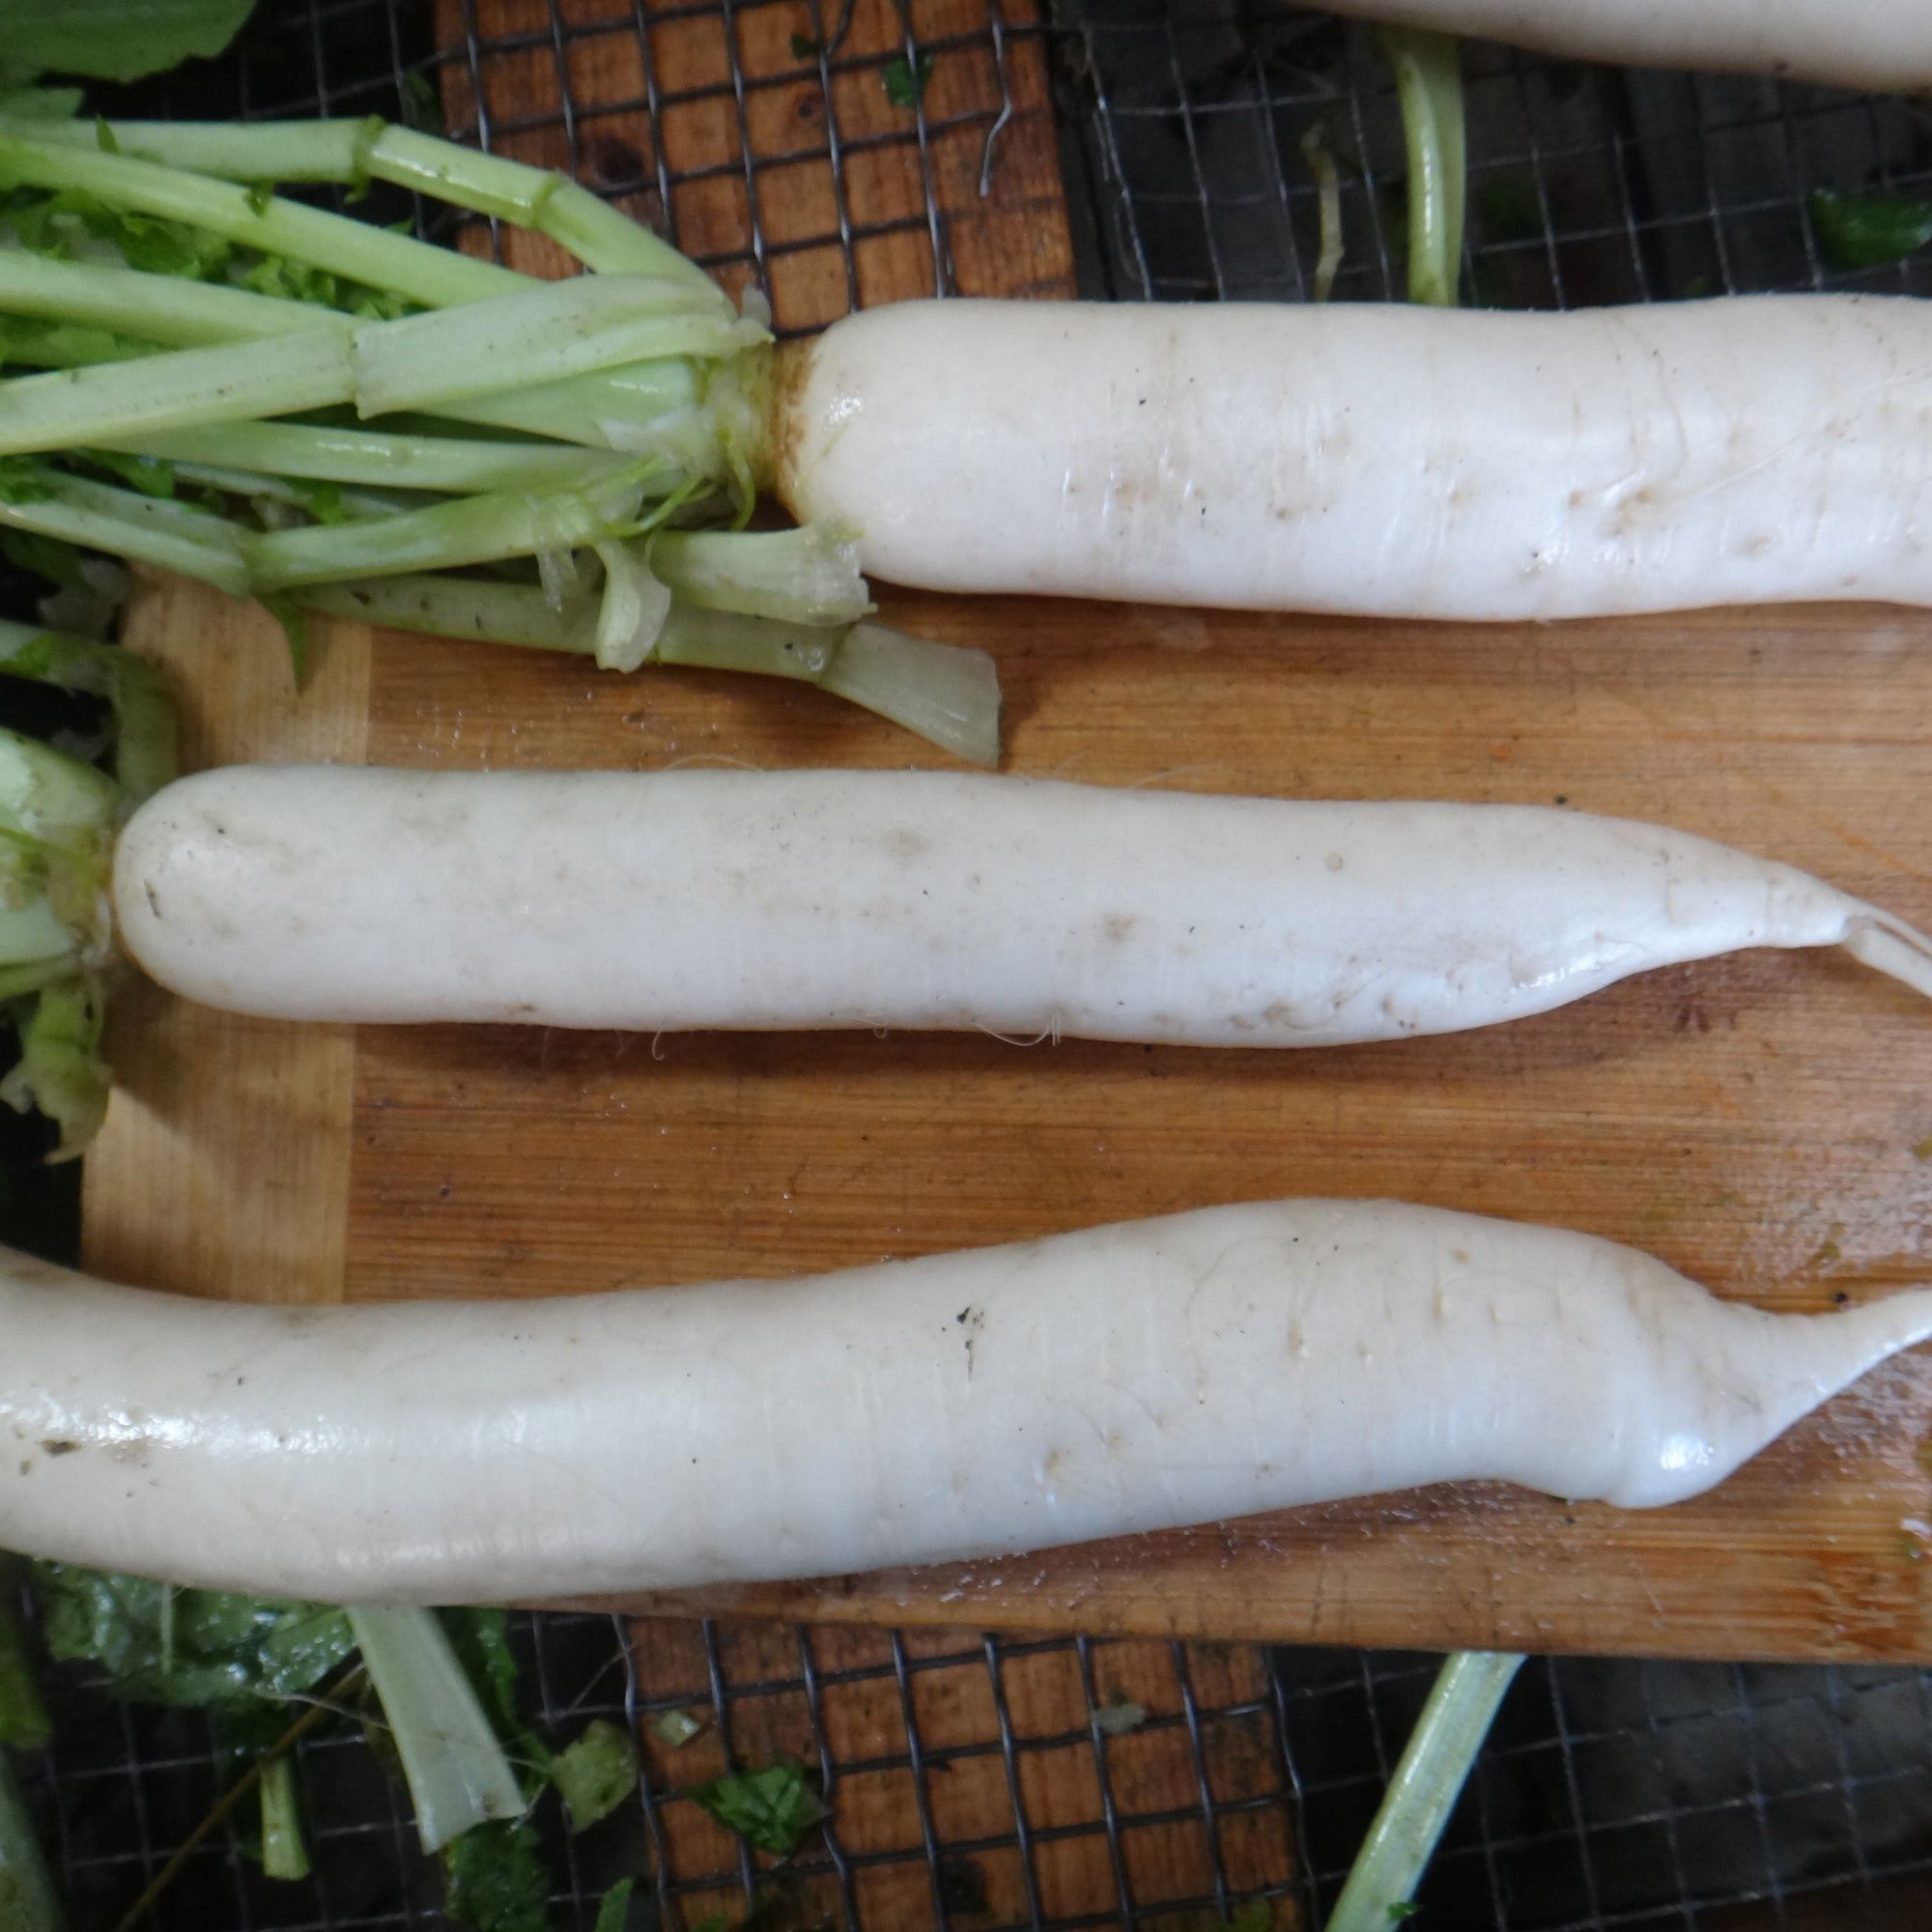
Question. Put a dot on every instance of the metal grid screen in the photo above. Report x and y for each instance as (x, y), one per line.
(975, 1781)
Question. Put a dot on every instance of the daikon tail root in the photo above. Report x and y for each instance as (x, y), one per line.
(1890, 947)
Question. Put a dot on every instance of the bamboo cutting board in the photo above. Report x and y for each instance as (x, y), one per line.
(1764, 1124)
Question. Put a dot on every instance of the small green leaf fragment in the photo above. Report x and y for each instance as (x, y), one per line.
(675, 1728)
(1861, 230)
(616, 1908)
(103, 136)
(771, 1809)
(1256, 1915)
(260, 197)
(494, 1878)
(1403, 1907)
(1120, 1716)
(904, 80)
(25, 480)
(1923, 1149)
(596, 1774)
(804, 47)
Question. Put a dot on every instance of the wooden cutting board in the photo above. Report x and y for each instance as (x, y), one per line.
(1764, 1124)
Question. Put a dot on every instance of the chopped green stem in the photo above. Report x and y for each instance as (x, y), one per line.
(947, 694)
(53, 797)
(63, 345)
(597, 233)
(1441, 1752)
(177, 390)
(808, 575)
(60, 1070)
(943, 693)
(169, 309)
(612, 408)
(238, 151)
(477, 530)
(145, 743)
(28, 1902)
(458, 1775)
(378, 258)
(1429, 84)
(548, 334)
(462, 607)
(145, 529)
(284, 1856)
(457, 464)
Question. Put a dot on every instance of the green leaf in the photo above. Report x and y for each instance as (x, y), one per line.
(25, 480)
(771, 1809)
(150, 476)
(159, 1645)
(596, 1774)
(616, 1908)
(44, 557)
(904, 80)
(1867, 230)
(118, 40)
(493, 1880)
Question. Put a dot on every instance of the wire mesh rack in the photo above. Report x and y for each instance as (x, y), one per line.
(834, 152)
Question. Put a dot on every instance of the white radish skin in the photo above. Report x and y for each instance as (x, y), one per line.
(1178, 1371)
(1885, 45)
(1380, 460)
(723, 899)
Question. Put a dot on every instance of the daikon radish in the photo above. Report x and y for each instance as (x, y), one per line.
(1133, 1377)
(730, 898)
(1379, 460)
(1880, 45)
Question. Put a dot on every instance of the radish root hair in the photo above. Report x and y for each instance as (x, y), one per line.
(1890, 947)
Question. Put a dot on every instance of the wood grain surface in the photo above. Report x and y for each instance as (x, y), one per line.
(1764, 1124)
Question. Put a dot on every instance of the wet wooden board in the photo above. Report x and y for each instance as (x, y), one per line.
(1764, 1124)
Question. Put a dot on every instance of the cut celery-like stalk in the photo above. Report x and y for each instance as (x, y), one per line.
(375, 257)
(381, 458)
(545, 334)
(144, 529)
(1441, 1752)
(177, 390)
(1428, 85)
(472, 529)
(456, 1770)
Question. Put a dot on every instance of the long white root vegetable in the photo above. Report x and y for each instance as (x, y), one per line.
(1133, 1377)
(725, 899)
(1379, 460)
(1882, 44)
